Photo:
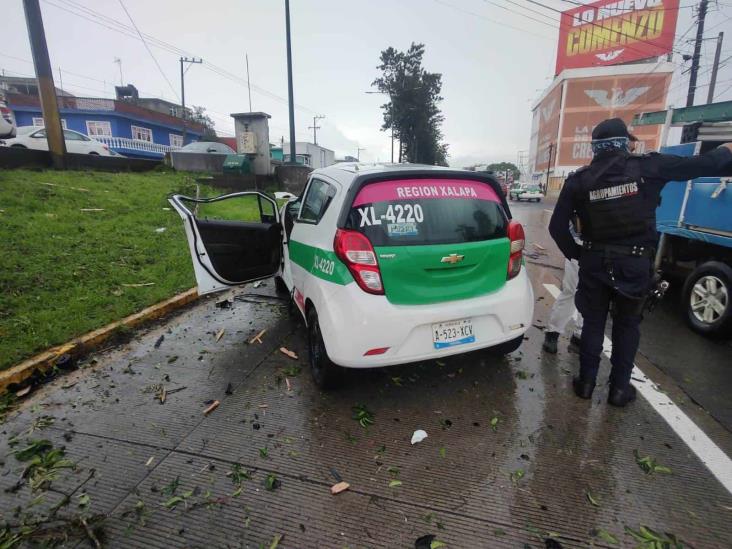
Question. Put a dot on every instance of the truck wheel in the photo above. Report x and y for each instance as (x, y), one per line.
(325, 374)
(707, 299)
(506, 347)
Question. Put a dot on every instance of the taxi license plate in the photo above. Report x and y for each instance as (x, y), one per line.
(449, 334)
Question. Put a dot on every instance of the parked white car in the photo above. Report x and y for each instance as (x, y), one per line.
(34, 137)
(387, 265)
(7, 121)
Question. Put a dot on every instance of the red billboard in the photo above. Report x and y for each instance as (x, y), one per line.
(611, 32)
(592, 100)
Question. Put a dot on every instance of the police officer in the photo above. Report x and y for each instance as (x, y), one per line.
(615, 199)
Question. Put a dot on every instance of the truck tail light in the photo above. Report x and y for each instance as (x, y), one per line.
(518, 241)
(357, 253)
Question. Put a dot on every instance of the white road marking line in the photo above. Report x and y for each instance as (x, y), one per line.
(698, 442)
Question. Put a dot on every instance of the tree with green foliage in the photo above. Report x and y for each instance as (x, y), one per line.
(198, 115)
(412, 110)
(503, 167)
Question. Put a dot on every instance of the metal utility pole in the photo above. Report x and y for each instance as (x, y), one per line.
(697, 53)
(118, 61)
(183, 90)
(548, 167)
(358, 153)
(715, 68)
(315, 127)
(249, 86)
(290, 95)
(46, 88)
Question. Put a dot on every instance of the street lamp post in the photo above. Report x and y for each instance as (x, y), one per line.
(290, 95)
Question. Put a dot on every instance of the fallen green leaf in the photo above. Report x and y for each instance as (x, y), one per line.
(443, 452)
(649, 465)
(362, 415)
(395, 483)
(591, 499)
(436, 544)
(517, 475)
(494, 423)
(263, 452)
(275, 541)
(84, 499)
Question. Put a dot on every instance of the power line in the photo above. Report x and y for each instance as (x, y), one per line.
(501, 23)
(92, 16)
(121, 3)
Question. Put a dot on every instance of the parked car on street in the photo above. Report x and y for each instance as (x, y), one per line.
(211, 147)
(7, 120)
(532, 193)
(34, 137)
(386, 264)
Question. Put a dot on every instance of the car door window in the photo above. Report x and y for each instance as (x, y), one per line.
(316, 201)
(39, 133)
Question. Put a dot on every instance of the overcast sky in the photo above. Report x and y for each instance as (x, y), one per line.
(494, 60)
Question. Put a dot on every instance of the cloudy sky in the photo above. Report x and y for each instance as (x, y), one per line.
(495, 58)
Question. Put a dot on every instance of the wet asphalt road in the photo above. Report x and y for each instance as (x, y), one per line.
(700, 366)
(511, 459)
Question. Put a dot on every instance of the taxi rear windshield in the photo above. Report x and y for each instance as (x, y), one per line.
(427, 211)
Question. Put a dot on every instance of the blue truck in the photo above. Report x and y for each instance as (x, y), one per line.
(694, 220)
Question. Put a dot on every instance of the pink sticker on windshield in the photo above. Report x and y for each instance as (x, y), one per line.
(414, 189)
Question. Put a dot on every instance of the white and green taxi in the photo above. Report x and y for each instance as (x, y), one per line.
(387, 264)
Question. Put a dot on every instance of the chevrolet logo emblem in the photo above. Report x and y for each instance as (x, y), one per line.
(452, 258)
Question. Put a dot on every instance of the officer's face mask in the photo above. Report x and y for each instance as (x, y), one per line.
(610, 144)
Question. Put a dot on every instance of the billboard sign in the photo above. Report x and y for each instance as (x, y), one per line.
(611, 32)
(589, 101)
(548, 128)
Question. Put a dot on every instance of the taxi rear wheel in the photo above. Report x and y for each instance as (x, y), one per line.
(325, 374)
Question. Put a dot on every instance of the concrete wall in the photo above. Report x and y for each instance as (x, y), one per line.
(197, 162)
(292, 178)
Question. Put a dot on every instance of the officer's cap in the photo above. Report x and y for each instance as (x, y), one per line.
(612, 127)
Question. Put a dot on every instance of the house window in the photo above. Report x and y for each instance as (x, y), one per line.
(142, 134)
(99, 127)
(38, 121)
(176, 140)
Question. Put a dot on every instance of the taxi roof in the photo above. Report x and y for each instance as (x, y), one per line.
(348, 172)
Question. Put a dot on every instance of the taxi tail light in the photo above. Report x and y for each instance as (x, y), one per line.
(518, 241)
(357, 253)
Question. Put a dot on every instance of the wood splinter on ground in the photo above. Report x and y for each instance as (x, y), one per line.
(289, 353)
(220, 334)
(340, 487)
(214, 405)
(258, 337)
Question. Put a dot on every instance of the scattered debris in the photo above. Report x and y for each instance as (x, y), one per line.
(445, 424)
(211, 408)
(648, 539)
(220, 334)
(92, 209)
(517, 475)
(149, 461)
(224, 304)
(23, 392)
(362, 415)
(605, 536)
(494, 423)
(276, 541)
(428, 542)
(257, 284)
(258, 337)
(229, 389)
(271, 483)
(138, 285)
(418, 436)
(289, 353)
(160, 230)
(649, 465)
(289, 385)
(264, 452)
(591, 499)
(443, 452)
(339, 487)
(551, 543)
(395, 483)
(159, 341)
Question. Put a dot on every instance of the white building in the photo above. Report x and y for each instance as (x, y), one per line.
(310, 154)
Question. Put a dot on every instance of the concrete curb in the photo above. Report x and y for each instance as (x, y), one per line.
(90, 341)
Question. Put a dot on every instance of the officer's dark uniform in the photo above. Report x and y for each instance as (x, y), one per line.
(615, 199)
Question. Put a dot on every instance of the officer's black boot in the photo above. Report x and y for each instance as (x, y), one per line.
(550, 342)
(583, 388)
(621, 397)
